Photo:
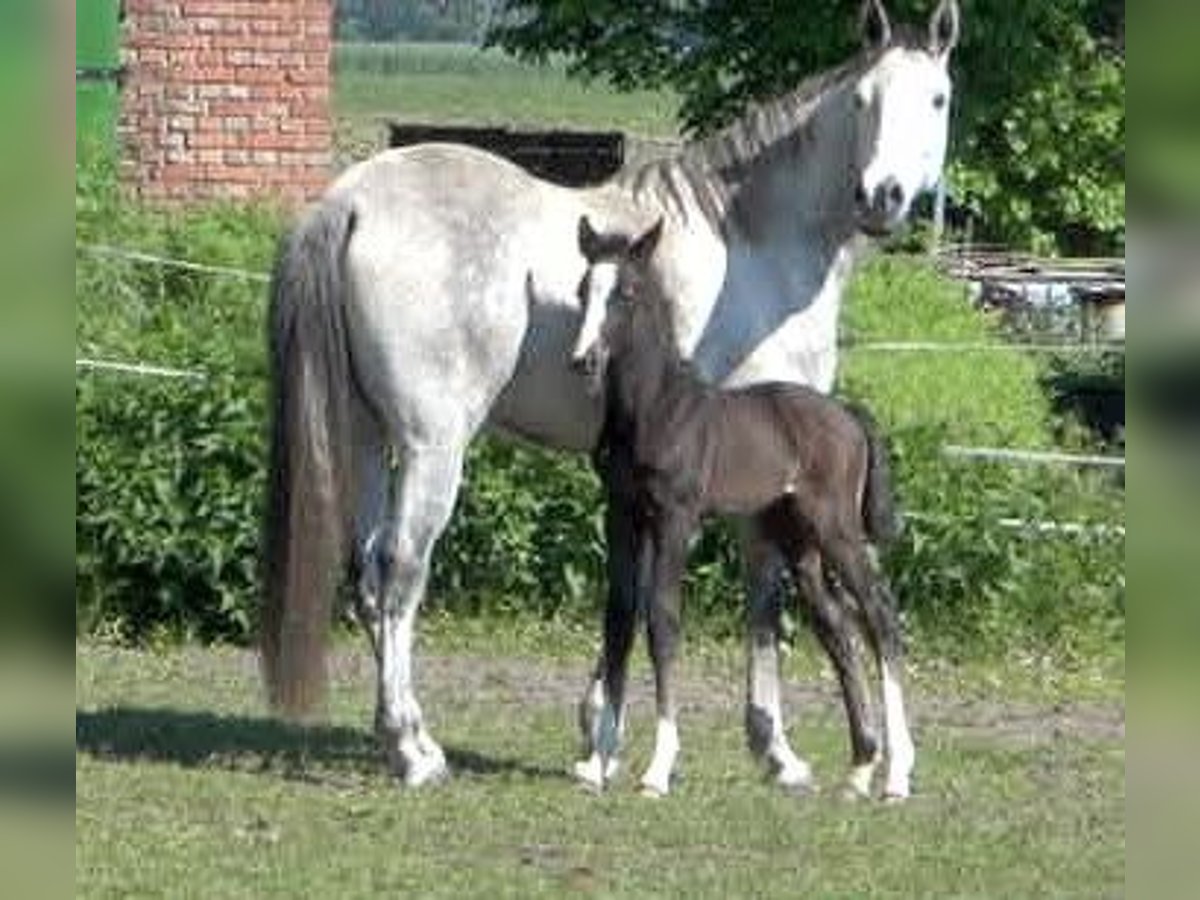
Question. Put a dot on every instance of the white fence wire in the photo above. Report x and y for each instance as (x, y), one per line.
(992, 454)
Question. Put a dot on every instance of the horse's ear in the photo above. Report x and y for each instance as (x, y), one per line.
(943, 28)
(875, 25)
(643, 248)
(589, 241)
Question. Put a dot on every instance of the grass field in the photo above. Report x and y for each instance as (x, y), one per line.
(182, 786)
(457, 83)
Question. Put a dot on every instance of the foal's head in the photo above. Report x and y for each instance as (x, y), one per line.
(623, 306)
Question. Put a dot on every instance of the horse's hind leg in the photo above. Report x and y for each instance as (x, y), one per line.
(853, 565)
(371, 508)
(425, 489)
(765, 733)
(835, 631)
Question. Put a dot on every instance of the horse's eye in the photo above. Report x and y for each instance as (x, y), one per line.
(939, 100)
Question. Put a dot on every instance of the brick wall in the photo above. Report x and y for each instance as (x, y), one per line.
(226, 99)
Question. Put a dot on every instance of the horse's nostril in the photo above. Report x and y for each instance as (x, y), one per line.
(860, 195)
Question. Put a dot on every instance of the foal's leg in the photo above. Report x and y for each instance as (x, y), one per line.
(765, 733)
(426, 486)
(671, 533)
(602, 710)
(835, 630)
(853, 565)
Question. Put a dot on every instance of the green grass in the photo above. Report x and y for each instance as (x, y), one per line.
(182, 785)
(978, 396)
(461, 84)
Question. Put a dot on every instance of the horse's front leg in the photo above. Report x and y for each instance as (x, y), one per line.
(670, 538)
(602, 710)
(765, 733)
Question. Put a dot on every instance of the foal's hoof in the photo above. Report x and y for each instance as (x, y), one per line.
(857, 785)
(655, 786)
(897, 790)
(592, 774)
(797, 780)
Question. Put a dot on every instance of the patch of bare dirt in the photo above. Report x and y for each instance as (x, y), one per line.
(516, 682)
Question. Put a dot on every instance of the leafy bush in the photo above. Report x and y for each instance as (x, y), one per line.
(169, 474)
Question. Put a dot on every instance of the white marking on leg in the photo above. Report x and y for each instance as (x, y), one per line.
(657, 780)
(412, 751)
(859, 780)
(789, 769)
(901, 755)
(595, 773)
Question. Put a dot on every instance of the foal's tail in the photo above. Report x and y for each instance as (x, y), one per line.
(306, 521)
(879, 503)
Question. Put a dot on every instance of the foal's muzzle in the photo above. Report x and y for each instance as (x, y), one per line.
(590, 365)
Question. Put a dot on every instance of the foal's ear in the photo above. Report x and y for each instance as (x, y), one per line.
(643, 248)
(943, 28)
(875, 25)
(589, 241)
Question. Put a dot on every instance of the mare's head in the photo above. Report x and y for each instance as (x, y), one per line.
(623, 306)
(900, 105)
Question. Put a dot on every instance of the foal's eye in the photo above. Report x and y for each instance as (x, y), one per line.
(939, 101)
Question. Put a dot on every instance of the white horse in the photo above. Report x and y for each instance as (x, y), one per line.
(433, 292)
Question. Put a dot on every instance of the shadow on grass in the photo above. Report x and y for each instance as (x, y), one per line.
(304, 752)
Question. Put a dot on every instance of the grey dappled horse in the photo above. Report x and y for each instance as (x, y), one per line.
(432, 293)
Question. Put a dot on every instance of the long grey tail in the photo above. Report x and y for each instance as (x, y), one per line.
(880, 516)
(306, 520)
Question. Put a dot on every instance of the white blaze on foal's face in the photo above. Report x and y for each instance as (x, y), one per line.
(595, 292)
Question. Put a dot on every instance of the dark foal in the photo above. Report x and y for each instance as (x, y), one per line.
(805, 470)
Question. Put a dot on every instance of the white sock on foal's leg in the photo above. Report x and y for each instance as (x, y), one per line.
(656, 782)
(901, 755)
(602, 764)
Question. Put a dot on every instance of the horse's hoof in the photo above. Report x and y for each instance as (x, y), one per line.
(796, 780)
(424, 772)
(858, 783)
(417, 768)
(653, 790)
(896, 790)
(593, 774)
(849, 793)
(587, 773)
(891, 799)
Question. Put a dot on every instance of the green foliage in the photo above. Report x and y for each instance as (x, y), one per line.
(169, 483)
(1040, 110)
(169, 474)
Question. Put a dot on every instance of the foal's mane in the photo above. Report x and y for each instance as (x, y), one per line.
(711, 168)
